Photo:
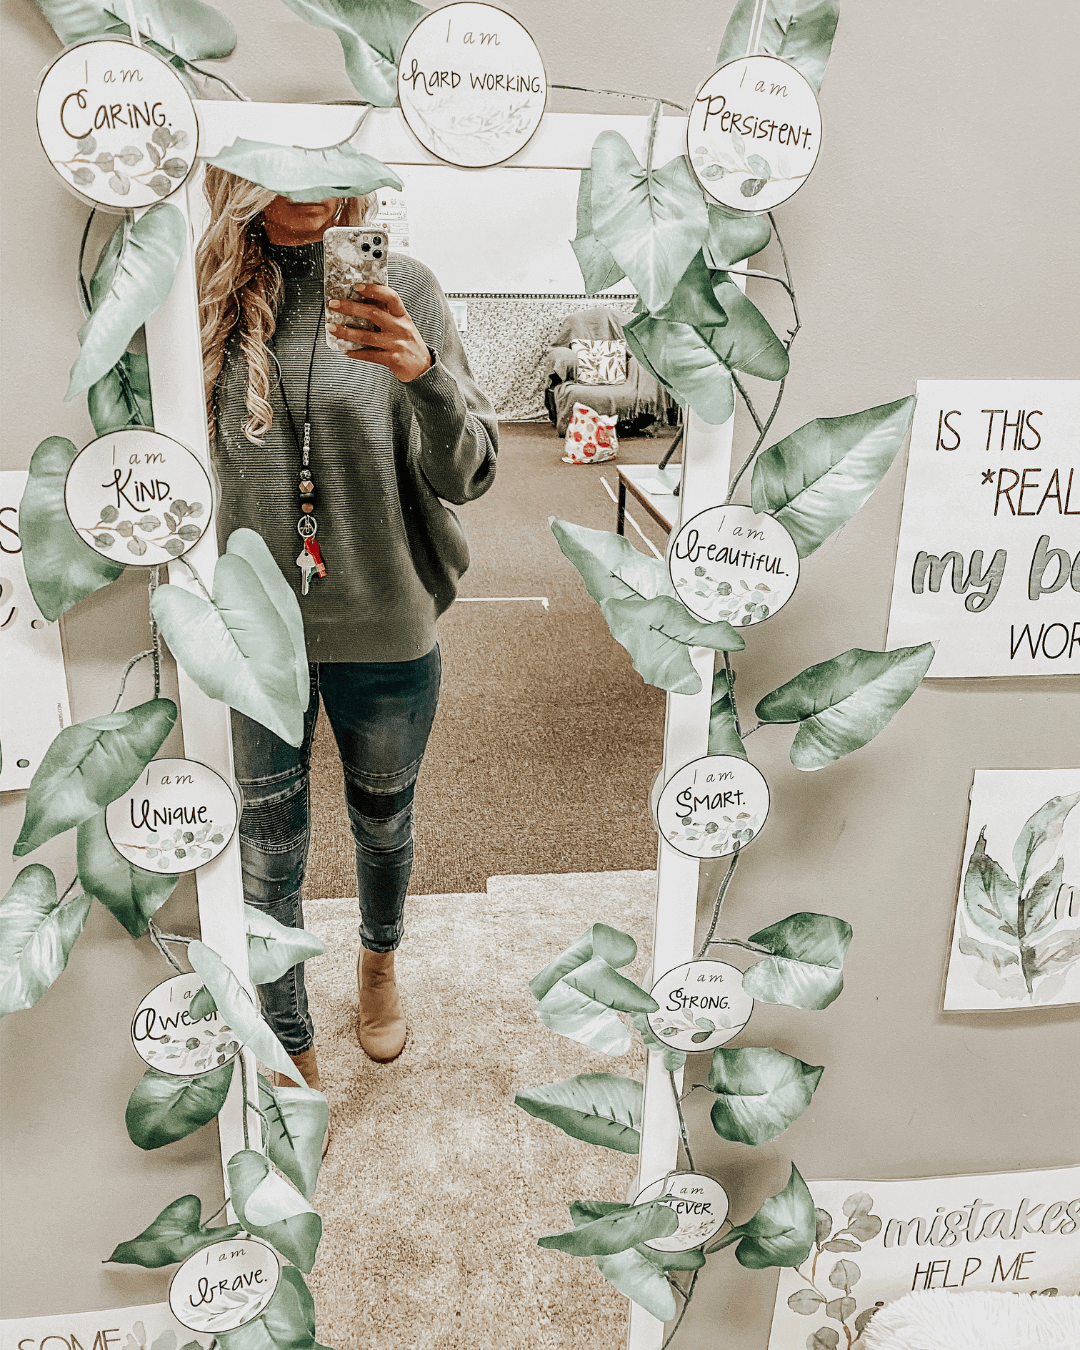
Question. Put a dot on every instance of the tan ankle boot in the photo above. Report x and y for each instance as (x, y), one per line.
(380, 1023)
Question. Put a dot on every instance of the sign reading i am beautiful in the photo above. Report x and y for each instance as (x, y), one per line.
(170, 1040)
(471, 84)
(753, 133)
(1008, 1232)
(732, 563)
(116, 123)
(149, 1326)
(988, 563)
(178, 815)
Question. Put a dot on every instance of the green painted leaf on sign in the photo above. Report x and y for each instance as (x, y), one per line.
(273, 949)
(305, 175)
(270, 1208)
(781, 1233)
(843, 703)
(599, 270)
(760, 1093)
(372, 34)
(617, 949)
(37, 934)
(175, 1234)
(671, 1059)
(131, 895)
(806, 968)
(295, 1123)
(798, 31)
(601, 1108)
(164, 1108)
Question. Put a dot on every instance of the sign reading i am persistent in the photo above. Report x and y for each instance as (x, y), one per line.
(988, 562)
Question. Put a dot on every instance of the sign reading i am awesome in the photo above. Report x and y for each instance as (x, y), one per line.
(988, 563)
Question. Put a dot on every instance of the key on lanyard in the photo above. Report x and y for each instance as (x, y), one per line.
(310, 560)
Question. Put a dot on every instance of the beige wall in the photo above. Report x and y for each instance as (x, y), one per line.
(931, 242)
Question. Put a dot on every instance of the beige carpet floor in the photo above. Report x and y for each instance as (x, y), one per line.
(436, 1186)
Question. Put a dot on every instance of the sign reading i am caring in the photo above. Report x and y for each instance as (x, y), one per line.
(712, 806)
(753, 133)
(702, 1005)
(988, 563)
(700, 1203)
(732, 563)
(117, 124)
(471, 84)
(224, 1286)
(170, 1040)
(178, 815)
(1007, 1232)
(138, 497)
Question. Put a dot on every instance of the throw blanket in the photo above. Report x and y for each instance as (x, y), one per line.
(939, 1320)
(639, 394)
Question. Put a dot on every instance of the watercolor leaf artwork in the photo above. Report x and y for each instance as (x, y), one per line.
(814, 1301)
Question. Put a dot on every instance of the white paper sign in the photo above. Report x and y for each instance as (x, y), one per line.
(150, 1326)
(35, 703)
(732, 563)
(178, 815)
(1016, 936)
(471, 84)
(878, 1240)
(700, 1203)
(116, 123)
(224, 1286)
(988, 563)
(712, 806)
(753, 133)
(171, 1041)
(138, 497)
(702, 1005)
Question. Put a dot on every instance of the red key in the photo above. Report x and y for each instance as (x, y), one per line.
(312, 547)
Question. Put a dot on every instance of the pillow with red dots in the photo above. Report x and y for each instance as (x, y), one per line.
(600, 362)
(590, 437)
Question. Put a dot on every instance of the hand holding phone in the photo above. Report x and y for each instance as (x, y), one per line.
(352, 256)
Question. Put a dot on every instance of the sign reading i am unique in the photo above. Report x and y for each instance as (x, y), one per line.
(732, 563)
(224, 1286)
(699, 1202)
(138, 497)
(178, 815)
(117, 123)
(753, 133)
(988, 563)
(170, 1040)
(471, 84)
(712, 806)
(702, 1005)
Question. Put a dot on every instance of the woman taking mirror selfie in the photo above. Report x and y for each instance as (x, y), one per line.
(339, 460)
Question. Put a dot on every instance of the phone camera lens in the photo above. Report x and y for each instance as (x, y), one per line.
(364, 248)
(377, 239)
(377, 253)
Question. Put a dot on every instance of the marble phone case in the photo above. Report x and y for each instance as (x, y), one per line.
(352, 254)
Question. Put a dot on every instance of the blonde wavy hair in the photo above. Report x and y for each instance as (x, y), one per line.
(240, 288)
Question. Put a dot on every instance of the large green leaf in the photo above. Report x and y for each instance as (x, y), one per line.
(232, 646)
(731, 239)
(652, 223)
(683, 360)
(270, 1208)
(723, 730)
(236, 1007)
(621, 1228)
(295, 1123)
(601, 1108)
(990, 894)
(121, 398)
(142, 279)
(60, 567)
(189, 28)
(131, 895)
(164, 1107)
(286, 1323)
(578, 1017)
(372, 34)
(252, 548)
(617, 949)
(177, 1233)
(747, 342)
(798, 31)
(806, 968)
(88, 766)
(845, 702)
(760, 1092)
(781, 1233)
(635, 598)
(600, 982)
(1037, 842)
(37, 934)
(273, 949)
(598, 268)
(306, 175)
(817, 478)
(635, 1274)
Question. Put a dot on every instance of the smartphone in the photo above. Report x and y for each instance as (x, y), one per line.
(352, 255)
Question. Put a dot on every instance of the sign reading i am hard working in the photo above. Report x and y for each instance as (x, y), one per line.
(988, 563)
(471, 84)
(177, 816)
(117, 124)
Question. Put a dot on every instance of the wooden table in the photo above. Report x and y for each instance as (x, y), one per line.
(654, 488)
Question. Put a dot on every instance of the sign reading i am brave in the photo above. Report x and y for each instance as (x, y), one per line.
(988, 563)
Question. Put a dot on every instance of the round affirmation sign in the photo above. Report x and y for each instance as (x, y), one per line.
(171, 1041)
(730, 562)
(116, 123)
(178, 815)
(225, 1285)
(712, 806)
(702, 1005)
(471, 84)
(753, 133)
(700, 1203)
(138, 497)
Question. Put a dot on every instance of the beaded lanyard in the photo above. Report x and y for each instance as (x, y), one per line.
(310, 559)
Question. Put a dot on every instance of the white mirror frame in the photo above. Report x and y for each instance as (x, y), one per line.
(563, 141)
